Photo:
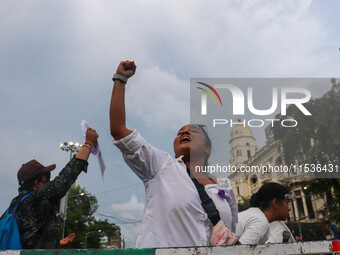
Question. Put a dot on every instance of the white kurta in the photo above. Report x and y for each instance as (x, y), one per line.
(276, 232)
(252, 227)
(173, 215)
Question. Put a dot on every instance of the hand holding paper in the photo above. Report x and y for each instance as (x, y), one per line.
(95, 149)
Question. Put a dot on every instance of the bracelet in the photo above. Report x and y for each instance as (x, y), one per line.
(119, 77)
(88, 146)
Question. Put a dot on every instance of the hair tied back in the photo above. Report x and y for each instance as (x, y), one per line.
(254, 200)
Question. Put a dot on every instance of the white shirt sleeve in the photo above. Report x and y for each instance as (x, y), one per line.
(255, 230)
(144, 159)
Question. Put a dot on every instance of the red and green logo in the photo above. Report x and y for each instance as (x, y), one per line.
(209, 93)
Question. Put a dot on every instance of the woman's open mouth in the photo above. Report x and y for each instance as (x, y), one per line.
(185, 139)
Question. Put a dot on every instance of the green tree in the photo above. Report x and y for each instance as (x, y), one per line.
(81, 221)
(316, 140)
(244, 204)
(98, 229)
(329, 191)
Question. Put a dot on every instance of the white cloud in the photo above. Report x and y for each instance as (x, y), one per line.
(197, 38)
(129, 211)
(130, 233)
(172, 43)
(159, 99)
(132, 205)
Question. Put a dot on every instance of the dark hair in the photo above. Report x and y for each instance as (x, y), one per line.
(204, 130)
(267, 193)
(29, 184)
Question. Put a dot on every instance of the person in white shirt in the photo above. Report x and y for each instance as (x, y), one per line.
(173, 214)
(269, 204)
(280, 233)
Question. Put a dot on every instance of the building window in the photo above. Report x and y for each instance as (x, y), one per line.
(297, 193)
(253, 179)
(248, 152)
(311, 214)
(300, 208)
(299, 202)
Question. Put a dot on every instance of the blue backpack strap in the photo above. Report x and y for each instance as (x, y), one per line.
(21, 200)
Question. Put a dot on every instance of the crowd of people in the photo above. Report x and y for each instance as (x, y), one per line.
(183, 207)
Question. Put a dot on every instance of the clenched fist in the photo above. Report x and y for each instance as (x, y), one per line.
(126, 68)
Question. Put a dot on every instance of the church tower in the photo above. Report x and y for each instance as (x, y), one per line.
(242, 144)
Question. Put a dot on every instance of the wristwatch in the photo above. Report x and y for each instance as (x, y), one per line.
(119, 77)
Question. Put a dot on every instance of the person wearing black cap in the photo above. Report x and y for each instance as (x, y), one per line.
(37, 214)
(269, 204)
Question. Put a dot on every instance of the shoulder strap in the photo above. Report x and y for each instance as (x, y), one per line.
(7, 211)
(20, 202)
(206, 202)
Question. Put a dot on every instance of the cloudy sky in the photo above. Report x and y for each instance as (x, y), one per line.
(57, 59)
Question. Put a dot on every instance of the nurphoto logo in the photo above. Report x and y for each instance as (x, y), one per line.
(238, 107)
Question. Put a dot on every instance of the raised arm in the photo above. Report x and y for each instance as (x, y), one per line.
(90, 140)
(117, 106)
(58, 187)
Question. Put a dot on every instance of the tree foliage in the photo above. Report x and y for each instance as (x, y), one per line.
(316, 140)
(81, 221)
(244, 204)
(329, 191)
(106, 229)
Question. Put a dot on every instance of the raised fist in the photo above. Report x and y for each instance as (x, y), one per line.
(126, 68)
(91, 136)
